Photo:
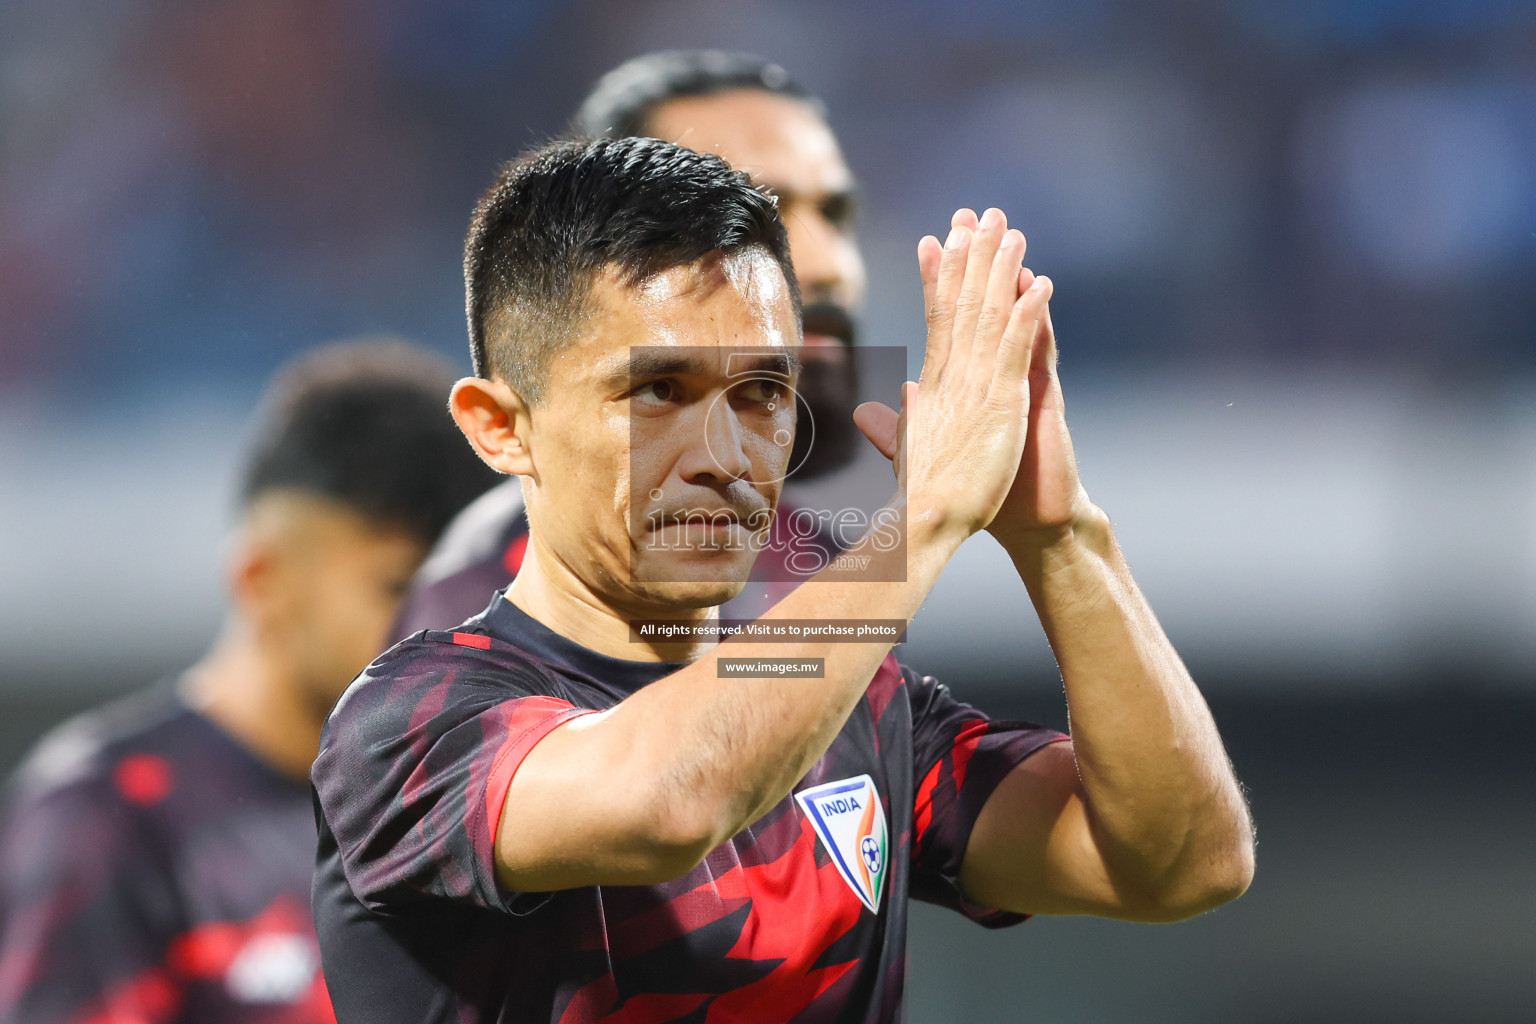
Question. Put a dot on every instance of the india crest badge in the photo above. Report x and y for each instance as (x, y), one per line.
(848, 818)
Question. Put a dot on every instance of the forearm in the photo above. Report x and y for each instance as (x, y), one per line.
(1166, 811)
(734, 746)
(694, 757)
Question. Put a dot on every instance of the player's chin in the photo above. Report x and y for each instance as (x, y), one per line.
(691, 580)
(690, 595)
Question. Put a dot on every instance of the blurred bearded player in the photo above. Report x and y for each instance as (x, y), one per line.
(537, 818)
(157, 856)
(749, 112)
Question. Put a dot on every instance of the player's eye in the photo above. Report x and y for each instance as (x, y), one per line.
(763, 390)
(839, 210)
(655, 392)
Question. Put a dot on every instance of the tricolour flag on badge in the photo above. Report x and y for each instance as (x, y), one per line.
(851, 823)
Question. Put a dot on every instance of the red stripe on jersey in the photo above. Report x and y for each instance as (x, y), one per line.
(472, 640)
(922, 807)
(529, 720)
(798, 912)
(512, 558)
(966, 742)
(959, 757)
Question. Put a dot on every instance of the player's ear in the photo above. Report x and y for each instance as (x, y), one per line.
(495, 419)
(251, 570)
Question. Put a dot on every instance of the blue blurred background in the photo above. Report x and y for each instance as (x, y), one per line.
(1294, 245)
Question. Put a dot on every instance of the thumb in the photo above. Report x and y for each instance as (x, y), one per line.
(880, 423)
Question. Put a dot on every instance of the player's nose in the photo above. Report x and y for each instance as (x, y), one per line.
(716, 450)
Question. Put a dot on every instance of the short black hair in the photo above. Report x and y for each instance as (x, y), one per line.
(621, 102)
(561, 214)
(366, 424)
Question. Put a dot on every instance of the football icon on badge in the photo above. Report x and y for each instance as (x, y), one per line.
(850, 822)
(870, 848)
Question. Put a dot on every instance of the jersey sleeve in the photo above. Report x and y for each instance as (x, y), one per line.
(959, 757)
(87, 910)
(415, 763)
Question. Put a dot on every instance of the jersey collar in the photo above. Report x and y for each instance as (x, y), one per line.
(506, 621)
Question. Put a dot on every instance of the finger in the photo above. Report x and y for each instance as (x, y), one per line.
(881, 424)
(941, 314)
(965, 217)
(929, 254)
(978, 272)
(908, 400)
(1017, 349)
(1002, 293)
(1043, 358)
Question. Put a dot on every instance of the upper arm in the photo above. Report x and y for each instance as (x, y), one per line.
(1032, 850)
(585, 807)
(1001, 825)
(1037, 848)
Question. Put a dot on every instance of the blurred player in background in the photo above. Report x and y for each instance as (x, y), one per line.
(752, 114)
(157, 854)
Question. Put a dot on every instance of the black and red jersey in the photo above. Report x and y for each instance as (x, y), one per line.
(483, 548)
(801, 916)
(153, 871)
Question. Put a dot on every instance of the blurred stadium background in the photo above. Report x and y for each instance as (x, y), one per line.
(1295, 253)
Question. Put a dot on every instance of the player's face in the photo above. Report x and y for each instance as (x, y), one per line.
(660, 448)
(788, 148)
(335, 585)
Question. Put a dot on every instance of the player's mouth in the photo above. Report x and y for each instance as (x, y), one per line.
(714, 534)
(701, 520)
